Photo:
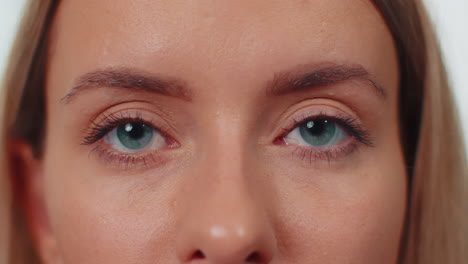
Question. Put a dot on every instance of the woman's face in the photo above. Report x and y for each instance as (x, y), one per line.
(221, 132)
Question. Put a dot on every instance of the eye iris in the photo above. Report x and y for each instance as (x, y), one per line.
(318, 132)
(134, 135)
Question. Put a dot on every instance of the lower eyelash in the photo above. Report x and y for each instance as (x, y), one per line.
(316, 154)
(125, 161)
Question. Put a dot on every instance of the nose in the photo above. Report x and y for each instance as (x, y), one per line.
(223, 223)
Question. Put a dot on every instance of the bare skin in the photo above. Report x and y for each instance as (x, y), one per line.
(226, 177)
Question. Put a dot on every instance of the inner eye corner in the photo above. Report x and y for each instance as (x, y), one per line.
(279, 140)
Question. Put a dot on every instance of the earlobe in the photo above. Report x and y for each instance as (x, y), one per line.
(27, 179)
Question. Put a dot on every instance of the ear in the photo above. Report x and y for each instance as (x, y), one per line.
(27, 178)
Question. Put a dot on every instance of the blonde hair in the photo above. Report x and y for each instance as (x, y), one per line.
(435, 227)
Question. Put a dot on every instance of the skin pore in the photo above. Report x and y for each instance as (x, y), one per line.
(222, 94)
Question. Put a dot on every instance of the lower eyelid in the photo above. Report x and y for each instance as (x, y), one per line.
(127, 161)
(326, 154)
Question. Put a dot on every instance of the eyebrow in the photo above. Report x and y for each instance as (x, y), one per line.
(301, 79)
(128, 79)
(305, 79)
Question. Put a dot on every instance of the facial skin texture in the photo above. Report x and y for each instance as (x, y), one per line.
(228, 189)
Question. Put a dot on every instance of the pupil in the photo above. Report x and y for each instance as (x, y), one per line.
(135, 130)
(134, 135)
(318, 132)
(317, 127)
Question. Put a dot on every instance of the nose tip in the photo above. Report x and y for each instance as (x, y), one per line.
(226, 227)
(229, 244)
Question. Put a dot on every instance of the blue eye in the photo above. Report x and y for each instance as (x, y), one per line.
(317, 133)
(134, 136)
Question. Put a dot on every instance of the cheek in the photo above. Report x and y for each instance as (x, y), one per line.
(98, 218)
(358, 226)
(350, 215)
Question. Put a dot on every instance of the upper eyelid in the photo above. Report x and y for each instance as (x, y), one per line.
(349, 122)
(167, 129)
(289, 123)
(138, 106)
(344, 122)
(103, 123)
(328, 106)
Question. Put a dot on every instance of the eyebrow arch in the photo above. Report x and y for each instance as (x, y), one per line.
(290, 82)
(128, 79)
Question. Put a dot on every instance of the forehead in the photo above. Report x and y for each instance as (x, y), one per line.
(223, 39)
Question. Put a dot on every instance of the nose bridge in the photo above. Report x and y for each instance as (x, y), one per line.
(225, 152)
(223, 222)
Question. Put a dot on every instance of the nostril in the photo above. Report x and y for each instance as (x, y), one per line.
(254, 257)
(197, 255)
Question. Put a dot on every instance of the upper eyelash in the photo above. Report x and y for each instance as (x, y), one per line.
(348, 123)
(108, 122)
(111, 121)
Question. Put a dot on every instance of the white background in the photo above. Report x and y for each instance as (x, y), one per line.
(450, 18)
